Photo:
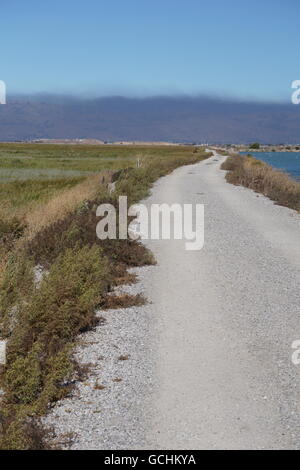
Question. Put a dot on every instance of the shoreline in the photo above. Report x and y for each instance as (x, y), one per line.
(272, 158)
(250, 172)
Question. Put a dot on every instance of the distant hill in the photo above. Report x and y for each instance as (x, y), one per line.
(175, 119)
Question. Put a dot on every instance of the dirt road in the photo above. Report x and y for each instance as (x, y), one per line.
(225, 320)
(210, 354)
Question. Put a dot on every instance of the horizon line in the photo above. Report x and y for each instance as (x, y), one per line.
(173, 96)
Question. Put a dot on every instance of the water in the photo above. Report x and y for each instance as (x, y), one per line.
(285, 161)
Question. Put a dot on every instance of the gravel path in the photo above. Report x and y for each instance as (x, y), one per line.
(209, 358)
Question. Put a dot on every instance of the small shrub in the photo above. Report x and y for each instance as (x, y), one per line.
(39, 349)
(122, 301)
(17, 286)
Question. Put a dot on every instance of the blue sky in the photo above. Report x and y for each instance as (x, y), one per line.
(233, 48)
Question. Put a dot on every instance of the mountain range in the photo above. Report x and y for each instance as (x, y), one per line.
(162, 118)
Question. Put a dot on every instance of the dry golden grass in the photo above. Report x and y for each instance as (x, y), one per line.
(122, 301)
(20, 197)
(257, 175)
(41, 215)
(64, 203)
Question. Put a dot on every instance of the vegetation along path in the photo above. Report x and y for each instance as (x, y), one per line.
(209, 358)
